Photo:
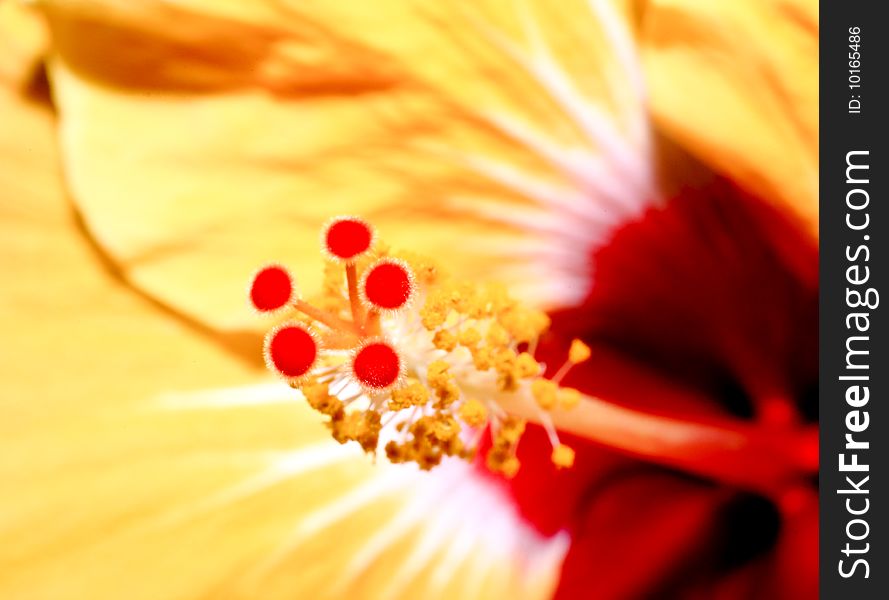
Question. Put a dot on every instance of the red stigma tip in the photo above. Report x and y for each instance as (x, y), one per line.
(347, 238)
(388, 285)
(377, 365)
(271, 288)
(291, 350)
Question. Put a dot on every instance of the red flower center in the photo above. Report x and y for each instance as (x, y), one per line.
(706, 307)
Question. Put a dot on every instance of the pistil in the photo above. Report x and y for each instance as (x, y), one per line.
(753, 457)
(435, 362)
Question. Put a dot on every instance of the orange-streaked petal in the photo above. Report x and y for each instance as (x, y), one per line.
(201, 142)
(736, 83)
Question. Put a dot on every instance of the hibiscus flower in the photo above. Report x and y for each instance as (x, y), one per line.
(641, 170)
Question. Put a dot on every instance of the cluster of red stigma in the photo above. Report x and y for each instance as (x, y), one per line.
(463, 348)
(292, 349)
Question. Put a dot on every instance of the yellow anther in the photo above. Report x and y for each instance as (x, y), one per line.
(429, 459)
(318, 398)
(447, 394)
(511, 430)
(481, 358)
(469, 337)
(502, 460)
(568, 398)
(507, 373)
(510, 467)
(396, 453)
(507, 381)
(433, 436)
(413, 394)
(314, 391)
(526, 366)
(524, 325)
(435, 311)
(433, 315)
(336, 418)
(473, 413)
(438, 374)
(578, 352)
(477, 308)
(563, 456)
(496, 457)
(496, 335)
(444, 340)
(361, 427)
(463, 296)
(444, 428)
(504, 359)
(545, 393)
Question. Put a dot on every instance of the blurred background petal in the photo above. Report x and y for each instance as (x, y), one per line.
(736, 83)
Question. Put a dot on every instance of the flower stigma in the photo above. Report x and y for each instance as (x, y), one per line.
(411, 363)
(271, 289)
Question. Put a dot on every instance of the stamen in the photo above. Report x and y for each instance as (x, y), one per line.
(563, 456)
(578, 353)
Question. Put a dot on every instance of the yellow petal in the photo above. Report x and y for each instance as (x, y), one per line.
(201, 140)
(138, 463)
(23, 39)
(736, 83)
